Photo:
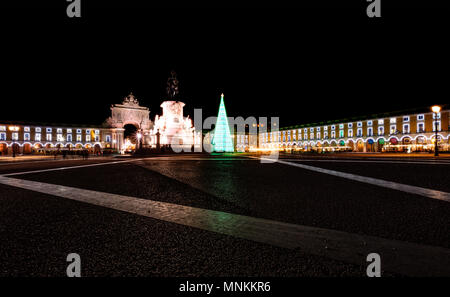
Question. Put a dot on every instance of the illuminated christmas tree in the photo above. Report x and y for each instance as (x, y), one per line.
(222, 141)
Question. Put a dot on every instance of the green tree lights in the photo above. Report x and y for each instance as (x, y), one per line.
(222, 141)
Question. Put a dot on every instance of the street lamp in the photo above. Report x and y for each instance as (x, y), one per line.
(436, 109)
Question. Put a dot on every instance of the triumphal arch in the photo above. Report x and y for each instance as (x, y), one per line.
(129, 112)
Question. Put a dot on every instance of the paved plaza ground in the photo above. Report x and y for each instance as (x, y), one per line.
(226, 215)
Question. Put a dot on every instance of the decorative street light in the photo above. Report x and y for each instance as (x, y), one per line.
(436, 109)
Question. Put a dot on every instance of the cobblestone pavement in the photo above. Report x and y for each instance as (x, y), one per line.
(272, 205)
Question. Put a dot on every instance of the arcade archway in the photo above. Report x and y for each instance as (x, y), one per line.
(130, 137)
(122, 115)
(3, 149)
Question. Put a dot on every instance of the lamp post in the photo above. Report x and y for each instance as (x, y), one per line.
(436, 109)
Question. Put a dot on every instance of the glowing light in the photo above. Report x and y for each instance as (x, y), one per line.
(13, 128)
(222, 141)
(436, 109)
(172, 126)
(139, 135)
(128, 145)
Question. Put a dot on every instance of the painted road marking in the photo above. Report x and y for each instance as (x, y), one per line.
(69, 167)
(434, 194)
(397, 256)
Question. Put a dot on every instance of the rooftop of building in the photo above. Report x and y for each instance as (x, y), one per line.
(411, 111)
(46, 124)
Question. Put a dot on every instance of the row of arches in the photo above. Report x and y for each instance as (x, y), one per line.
(29, 148)
(370, 144)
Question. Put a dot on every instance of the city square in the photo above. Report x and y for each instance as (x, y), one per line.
(178, 149)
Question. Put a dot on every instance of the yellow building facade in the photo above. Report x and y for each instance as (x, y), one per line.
(411, 132)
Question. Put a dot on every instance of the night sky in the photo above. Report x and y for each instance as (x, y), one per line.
(303, 65)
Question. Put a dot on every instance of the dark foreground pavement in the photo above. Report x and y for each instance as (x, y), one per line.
(40, 230)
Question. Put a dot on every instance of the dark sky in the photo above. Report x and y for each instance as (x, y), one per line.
(303, 65)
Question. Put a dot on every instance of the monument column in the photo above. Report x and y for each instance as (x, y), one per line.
(120, 141)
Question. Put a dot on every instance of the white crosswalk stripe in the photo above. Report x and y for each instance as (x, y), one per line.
(397, 256)
(429, 193)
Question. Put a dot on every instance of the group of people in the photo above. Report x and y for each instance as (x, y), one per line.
(80, 153)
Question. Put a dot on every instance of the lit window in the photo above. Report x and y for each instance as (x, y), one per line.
(438, 124)
(380, 122)
(333, 134)
(69, 131)
(325, 135)
(380, 130)
(2, 136)
(88, 138)
(15, 136)
(26, 136)
(49, 137)
(37, 137)
(406, 119)
(438, 115)
(325, 128)
(341, 133)
(2, 128)
(420, 127)
(318, 135)
(341, 126)
(26, 129)
(350, 133)
(59, 130)
(37, 129)
(49, 130)
(78, 137)
(311, 136)
(59, 137)
(359, 132)
(406, 129)
(393, 129)
(393, 120)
